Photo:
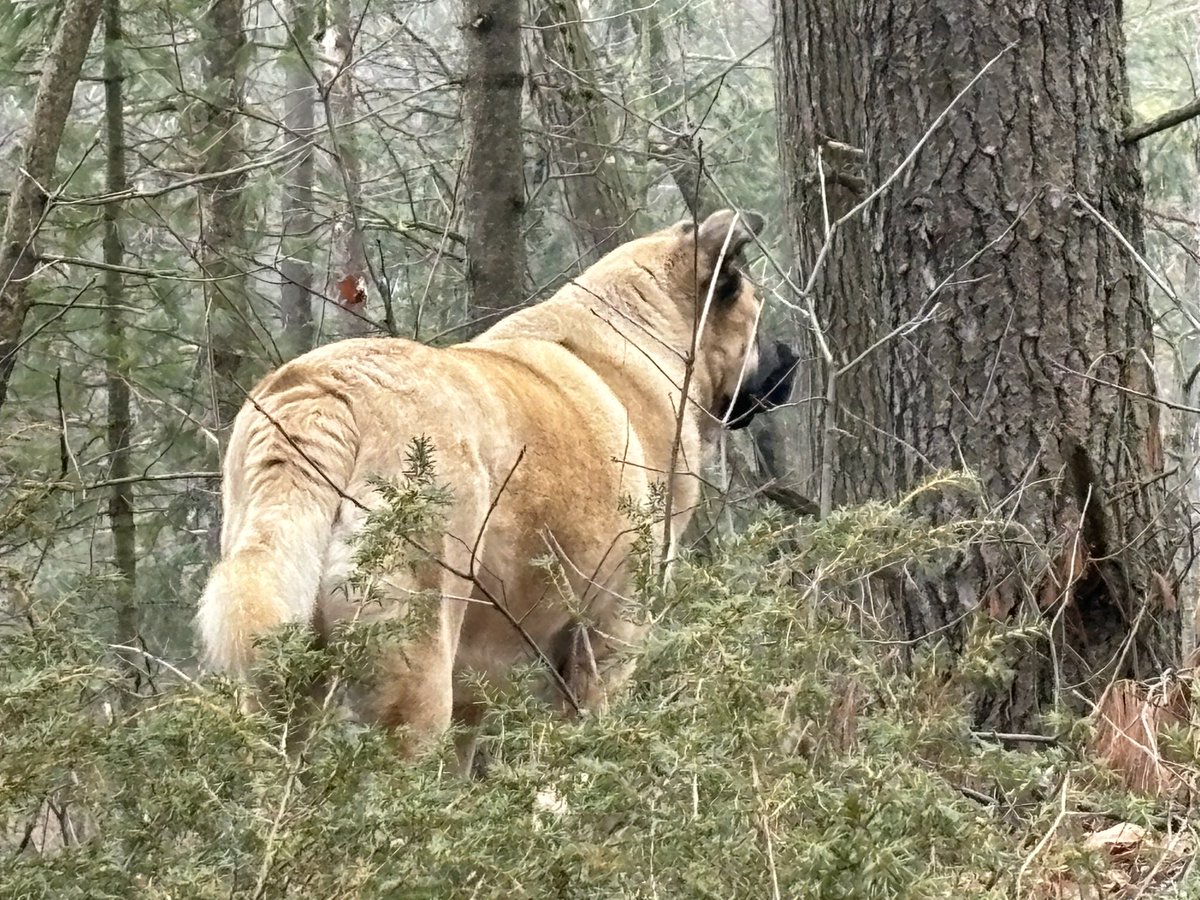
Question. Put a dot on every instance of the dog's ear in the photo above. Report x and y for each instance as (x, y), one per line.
(712, 235)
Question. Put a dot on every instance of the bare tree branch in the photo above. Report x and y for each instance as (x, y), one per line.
(1169, 119)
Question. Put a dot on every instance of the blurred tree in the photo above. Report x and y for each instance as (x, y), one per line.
(674, 142)
(223, 254)
(574, 112)
(29, 198)
(349, 268)
(295, 267)
(493, 180)
(118, 353)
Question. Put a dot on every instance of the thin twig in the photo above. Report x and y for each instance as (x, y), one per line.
(1141, 261)
(1169, 404)
(1050, 832)
(134, 194)
(277, 822)
(1006, 737)
(133, 479)
(765, 826)
(495, 502)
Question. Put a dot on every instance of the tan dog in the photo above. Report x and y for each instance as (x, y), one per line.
(541, 427)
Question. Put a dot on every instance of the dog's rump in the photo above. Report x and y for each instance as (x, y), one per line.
(290, 457)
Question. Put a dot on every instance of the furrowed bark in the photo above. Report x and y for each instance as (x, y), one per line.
(1022, 377)
(821, 66)
(1035, 372)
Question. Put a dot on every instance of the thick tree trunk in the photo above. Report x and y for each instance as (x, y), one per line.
(222, 255)
(27, 203)
(1032, 372)
(296, 295)
(1023, 377)
(493, 181)
(117, 350)
(572, 109)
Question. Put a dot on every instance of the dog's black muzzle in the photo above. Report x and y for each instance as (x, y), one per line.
(770, 386)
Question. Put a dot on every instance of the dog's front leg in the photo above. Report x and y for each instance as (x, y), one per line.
(594, 661)
(575, 660)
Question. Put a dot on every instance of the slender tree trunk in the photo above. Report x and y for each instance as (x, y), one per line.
(821, 76)
(27, 204)
(117, 351)
(297, 207)
(493, 182)
(572, 109)
(1035, 370)
(1189, 425)
(348, 280)
(672, 141)
(222, 255)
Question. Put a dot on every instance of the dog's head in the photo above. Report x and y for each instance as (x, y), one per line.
(699, 268)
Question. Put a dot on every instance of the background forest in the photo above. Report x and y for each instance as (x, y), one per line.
(935, 630)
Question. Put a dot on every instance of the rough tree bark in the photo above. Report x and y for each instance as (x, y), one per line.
(493, 181)
(572, 110)
(222, 256)
(28, 201)
(296, 294)
(117, 351)
(821, 76)
(1034, 371)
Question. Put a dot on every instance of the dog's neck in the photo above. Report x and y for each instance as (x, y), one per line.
(640, 349)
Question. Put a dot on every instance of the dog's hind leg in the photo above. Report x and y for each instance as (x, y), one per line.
(414, 685)
(413, 691)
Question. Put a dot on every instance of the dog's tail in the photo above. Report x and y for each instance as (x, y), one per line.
(283, 483)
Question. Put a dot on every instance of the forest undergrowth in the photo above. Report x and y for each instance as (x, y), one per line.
(769, 745)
